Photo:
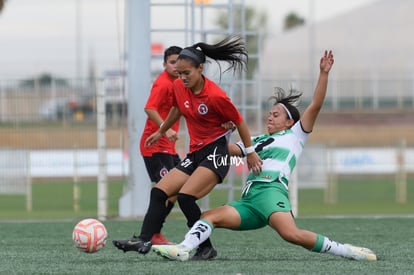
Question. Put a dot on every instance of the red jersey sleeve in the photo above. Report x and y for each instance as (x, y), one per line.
(160, 99)
(159, 91)
(227, 109)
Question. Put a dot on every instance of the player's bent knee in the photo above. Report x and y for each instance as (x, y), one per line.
(158, 194)
(186, 199)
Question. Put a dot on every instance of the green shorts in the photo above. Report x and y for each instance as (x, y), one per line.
(259, 201)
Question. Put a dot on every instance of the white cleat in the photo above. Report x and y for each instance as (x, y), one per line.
(172, 252)
(360, 253)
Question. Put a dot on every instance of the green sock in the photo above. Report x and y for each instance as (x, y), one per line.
(319, 243)
(325, 245)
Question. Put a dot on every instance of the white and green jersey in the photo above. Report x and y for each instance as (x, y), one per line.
(279, 152)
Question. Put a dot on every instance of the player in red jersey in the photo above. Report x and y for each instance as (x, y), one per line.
(205, 107)
(162, 157)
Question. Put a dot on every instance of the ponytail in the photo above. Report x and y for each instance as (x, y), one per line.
(231, 50)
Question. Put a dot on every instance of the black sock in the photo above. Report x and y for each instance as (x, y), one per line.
(155, 215)
(168, 209)
(192, 212)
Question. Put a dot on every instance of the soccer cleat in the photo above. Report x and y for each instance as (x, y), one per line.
(172, 252)
(360, 253)
(204, 254)
(134, 244)
(158, 239)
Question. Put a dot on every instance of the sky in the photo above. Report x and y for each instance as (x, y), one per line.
(63, 37)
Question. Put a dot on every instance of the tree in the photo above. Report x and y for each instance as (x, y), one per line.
(255, 21)
(292, 20)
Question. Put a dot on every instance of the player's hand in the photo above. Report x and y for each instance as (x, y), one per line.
(254, 163)
(327, 60)
(171, 135)
(229, 125)
(152, 139)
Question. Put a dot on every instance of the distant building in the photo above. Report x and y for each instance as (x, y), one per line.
(373, 49)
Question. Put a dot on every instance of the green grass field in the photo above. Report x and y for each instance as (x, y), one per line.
(47, 248)
(39, 242)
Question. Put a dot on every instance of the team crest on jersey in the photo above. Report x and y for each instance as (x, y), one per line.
(202, 109)
(163, 172)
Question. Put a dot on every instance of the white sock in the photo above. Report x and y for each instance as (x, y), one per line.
(334, 248)
(200, 232)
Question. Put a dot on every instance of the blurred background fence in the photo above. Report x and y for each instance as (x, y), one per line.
(359, 160)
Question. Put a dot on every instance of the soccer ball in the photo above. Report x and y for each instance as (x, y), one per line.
(89, 235)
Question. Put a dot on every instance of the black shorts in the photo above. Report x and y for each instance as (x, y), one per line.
(159, 164)
(214, 156)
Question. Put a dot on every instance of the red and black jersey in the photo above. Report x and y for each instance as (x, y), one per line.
(160, 99)
(204, 112)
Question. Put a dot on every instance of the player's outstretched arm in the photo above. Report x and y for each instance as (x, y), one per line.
(235, 150)
(254, 163)
(310, 114)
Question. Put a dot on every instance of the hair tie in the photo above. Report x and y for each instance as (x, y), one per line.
(192, 55)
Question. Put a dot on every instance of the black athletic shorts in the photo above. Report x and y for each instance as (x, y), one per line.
(214, 156)
(159, 164)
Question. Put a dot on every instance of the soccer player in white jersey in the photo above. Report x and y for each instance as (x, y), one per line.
(265, 199)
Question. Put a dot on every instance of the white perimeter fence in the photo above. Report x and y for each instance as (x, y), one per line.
(317, 168)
